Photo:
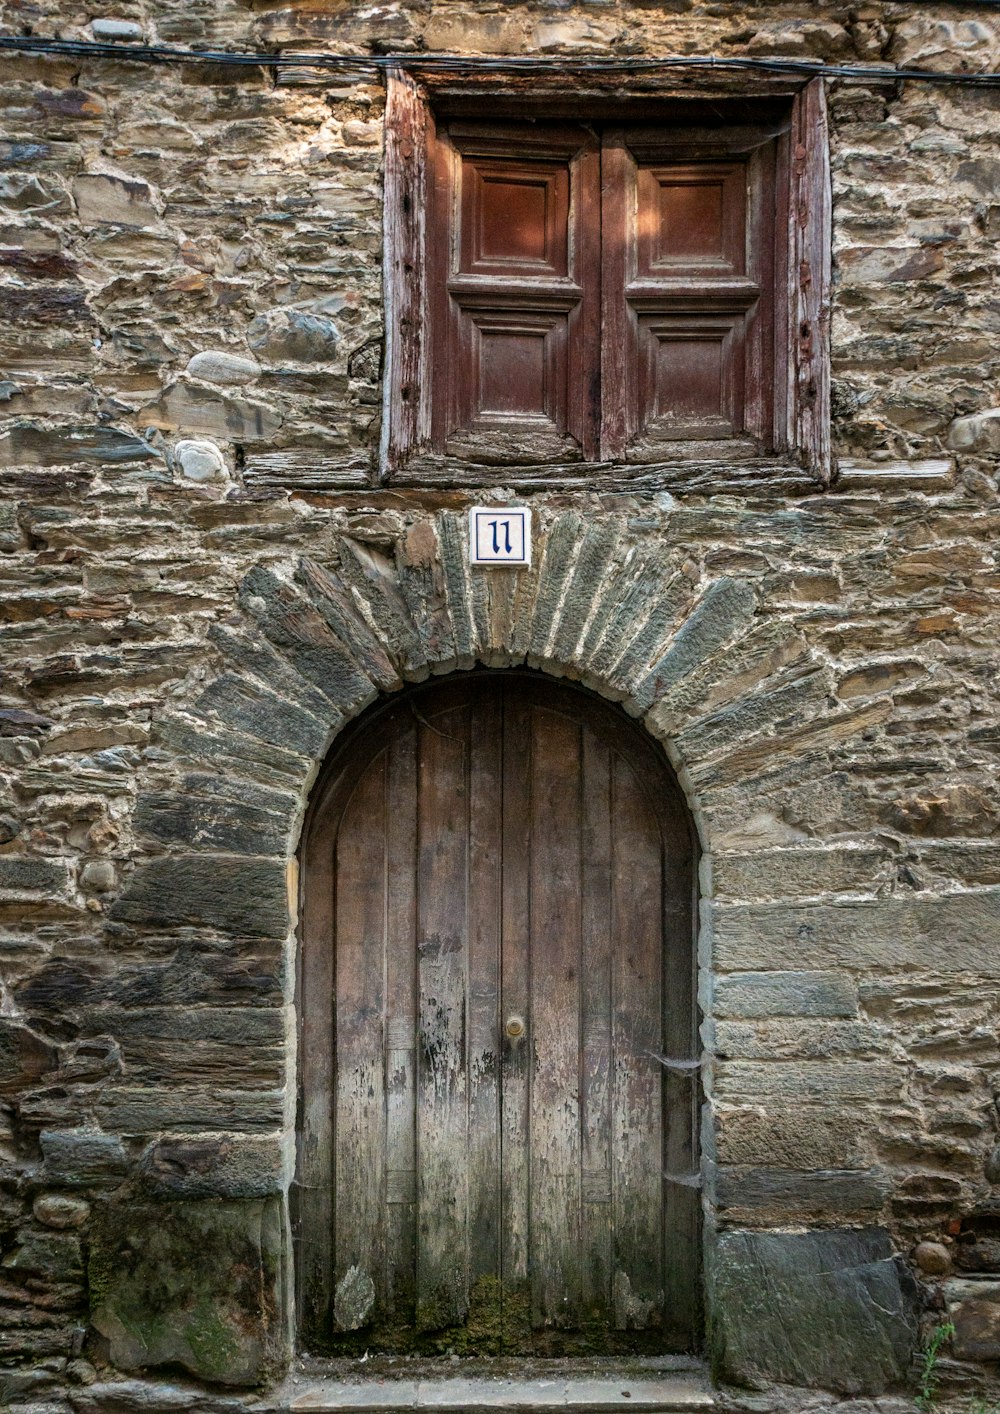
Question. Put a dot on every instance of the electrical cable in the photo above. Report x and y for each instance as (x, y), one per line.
(463, 64)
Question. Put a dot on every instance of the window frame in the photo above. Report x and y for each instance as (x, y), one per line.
(801, 354)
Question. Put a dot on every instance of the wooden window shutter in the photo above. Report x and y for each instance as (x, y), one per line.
(561, 293)
(515, 307)
(688, 294)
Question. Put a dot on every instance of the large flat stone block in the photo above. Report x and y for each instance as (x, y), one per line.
(247, 896)
(195, 1284)
(821, 1309)
(974, 1310)
(952, 933)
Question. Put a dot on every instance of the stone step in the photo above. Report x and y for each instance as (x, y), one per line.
(653, 1394)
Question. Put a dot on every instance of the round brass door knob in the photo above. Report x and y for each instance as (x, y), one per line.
(515, 1027)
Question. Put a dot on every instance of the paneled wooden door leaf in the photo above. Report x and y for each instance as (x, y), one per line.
(497, 968)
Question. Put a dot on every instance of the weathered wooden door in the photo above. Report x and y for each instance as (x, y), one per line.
(497, 967)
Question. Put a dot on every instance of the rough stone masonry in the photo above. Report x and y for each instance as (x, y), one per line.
(195, 604)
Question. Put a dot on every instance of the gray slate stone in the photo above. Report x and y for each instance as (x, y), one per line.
(292, 334)
(81, 1157)
(302, 635)
(214, 1166)
(24, 1056)
(262, 714)
(451, 530)
(951, 933)
(245, 896)
(333, 600)
(726, 607)
(829, 1309)
(556, 565)
(188, 408)
(28, 874)
(52, 1255)
(27, 445)
(765, 994)
(204, 823)
(104, 198)
(373, 577)
(220, 366)
(974, 1310)
(979, 433)
(838, 1192)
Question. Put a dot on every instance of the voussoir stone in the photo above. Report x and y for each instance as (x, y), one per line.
(218, 366)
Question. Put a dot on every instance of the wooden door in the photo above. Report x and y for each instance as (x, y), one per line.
(495, 1153)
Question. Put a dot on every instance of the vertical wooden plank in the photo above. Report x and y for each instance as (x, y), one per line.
(811, 247)
(637, 1042)
(442, 1091)
(443, 324)
(596, 1031)
(313, 1206)
(760, 409)
(783, 419)
(485, 745)
(584, 402)
(360, 1098)
(554, 1036)
(401, 1025)
(406, 139)
(619, 349)
(516, 1001)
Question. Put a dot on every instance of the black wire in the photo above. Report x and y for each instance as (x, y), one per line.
(456, 63)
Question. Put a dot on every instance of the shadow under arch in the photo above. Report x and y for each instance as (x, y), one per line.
(486, 849)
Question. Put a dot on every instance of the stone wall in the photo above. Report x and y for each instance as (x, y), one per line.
(202, 581)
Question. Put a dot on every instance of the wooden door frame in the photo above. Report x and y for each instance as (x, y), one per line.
(311, 1195)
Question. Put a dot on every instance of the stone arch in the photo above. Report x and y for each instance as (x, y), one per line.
(734, 693)
(312, 645)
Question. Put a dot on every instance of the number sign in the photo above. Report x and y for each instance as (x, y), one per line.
(500, 535)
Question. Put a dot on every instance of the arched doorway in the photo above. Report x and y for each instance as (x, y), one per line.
(498, 1106)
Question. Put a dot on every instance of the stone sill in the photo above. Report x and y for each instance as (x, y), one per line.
(932, 474)
(308, 471)
(665, 1393)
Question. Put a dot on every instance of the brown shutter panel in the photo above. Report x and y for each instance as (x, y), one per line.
(688, 274)
(516, 308)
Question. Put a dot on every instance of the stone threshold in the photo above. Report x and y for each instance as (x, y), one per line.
(593, 1389)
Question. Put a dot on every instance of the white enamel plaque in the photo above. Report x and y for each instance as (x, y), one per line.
(500, 535)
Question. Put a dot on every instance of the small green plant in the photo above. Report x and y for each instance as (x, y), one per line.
(930, 1374)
